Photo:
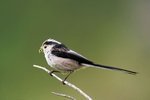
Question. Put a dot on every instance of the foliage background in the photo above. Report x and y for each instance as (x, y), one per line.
(111, 32)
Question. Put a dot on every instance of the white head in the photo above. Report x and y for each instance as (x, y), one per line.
(47, 45)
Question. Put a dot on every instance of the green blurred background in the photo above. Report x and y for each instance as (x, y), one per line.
(111, 32)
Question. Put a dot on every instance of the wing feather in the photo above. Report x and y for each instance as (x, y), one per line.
(71, 55)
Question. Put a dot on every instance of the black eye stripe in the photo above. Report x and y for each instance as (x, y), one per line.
(49, 43)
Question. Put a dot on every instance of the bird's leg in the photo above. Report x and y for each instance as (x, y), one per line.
(53, 71)
(66, 77)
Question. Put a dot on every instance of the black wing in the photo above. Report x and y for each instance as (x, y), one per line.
(63, 52)
(72, 56)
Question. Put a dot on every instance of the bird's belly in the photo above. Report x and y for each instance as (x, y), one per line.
(62, 64)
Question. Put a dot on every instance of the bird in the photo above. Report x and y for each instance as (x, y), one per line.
(64, 60)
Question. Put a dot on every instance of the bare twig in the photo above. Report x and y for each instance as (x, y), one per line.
(64, 95)
(66, 82)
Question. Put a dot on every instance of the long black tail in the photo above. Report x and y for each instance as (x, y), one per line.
(114, 68)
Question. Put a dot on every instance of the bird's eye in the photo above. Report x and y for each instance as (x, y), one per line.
(45, 46)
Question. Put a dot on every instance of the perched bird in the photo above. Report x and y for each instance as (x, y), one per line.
(62, 59)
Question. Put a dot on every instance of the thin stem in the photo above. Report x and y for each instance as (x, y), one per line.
(64, 95)
(66, 82)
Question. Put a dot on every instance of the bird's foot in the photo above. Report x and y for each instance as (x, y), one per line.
(63, 82)
(53, 71)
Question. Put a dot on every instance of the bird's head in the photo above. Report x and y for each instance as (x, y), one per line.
(48, 44)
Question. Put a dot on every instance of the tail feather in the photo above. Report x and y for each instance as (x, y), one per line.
(113, 68)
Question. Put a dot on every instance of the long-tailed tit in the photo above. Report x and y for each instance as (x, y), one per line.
(62, 59)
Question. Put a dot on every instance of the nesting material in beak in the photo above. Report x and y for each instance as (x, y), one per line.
(40, 50)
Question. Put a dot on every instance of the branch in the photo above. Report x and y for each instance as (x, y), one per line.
(64, 95)
(66, 82)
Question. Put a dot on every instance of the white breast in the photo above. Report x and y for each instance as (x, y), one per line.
(61, 64)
